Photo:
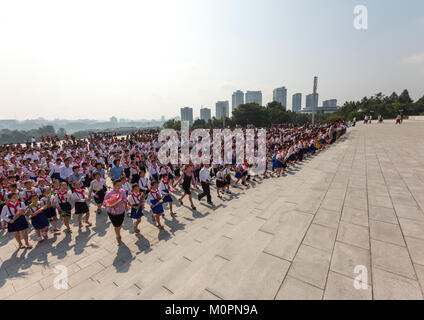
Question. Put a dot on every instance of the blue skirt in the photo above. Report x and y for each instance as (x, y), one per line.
(278, 164)
(40, 221)
(239, 175)
(50, 212)
(157, 209)
(136, 214)
(19, 225)
(167, 199)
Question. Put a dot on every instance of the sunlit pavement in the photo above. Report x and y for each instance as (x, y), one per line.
(347, 223)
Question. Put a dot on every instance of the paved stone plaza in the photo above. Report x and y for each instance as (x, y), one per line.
(358, 203)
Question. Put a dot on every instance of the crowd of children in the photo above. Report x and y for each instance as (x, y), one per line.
(46, 184)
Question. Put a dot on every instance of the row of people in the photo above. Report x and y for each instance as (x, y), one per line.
(52, 180)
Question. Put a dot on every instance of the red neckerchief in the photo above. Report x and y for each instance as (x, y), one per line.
(137, 196)
(135, 168)
(43, 178)
(62, 195)
(16, 206)
(37, 207)
(166, 183)
(26, 193)
(80, 192)
(156, 193)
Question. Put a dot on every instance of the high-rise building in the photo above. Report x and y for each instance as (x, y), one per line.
(205, 114)
(222, 109)
(280, 95)
(311, 102)
(254, 97)
(296, 102)
(187, 115)
(237, 99)
(329, 103)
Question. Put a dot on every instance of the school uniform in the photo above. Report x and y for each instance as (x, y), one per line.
(8, 213)
(165, 190)
(45, 178)
(2, 201)
(134, 174)
(99, 188)
(153, 199)
(55, 171)
(135, 199)
(127, 187)
(154, 172)
(127, 166)
(39, 221)
(220, 182)
(239, 171)
(167, 170)
(63, 199)
(81, 206)
(33, 174)
(86, 177)
(26, 195)
(50, 211)
(144, 184)
(278, 160)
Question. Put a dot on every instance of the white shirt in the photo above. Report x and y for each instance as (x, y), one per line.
(8, 213)
(65, 172)
(204, 174)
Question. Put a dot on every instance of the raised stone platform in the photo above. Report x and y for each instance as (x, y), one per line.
(358, 204)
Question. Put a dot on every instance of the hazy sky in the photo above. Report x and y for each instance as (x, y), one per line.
(144, 59)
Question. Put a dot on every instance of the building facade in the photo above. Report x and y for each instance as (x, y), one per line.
(254, 97)
(311, 102)
(296, 102)
(237, 99)
(222, 109)
(280, 95)
(187, 115)
(205, 114)
(329, 103)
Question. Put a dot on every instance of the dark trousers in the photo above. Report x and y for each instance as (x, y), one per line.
(206, 192)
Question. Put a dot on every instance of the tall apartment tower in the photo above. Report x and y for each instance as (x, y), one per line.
(222, 109)
(187, 115)
(296, 102)
(254, 97)
(205, 114)
(237, 99)
(280, 95)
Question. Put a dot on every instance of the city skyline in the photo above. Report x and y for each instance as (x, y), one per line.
(95, 69)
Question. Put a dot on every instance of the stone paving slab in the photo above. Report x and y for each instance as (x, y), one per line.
(347, 223)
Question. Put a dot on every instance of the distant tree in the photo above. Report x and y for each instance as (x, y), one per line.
(169, 124)
(404, 97)
(250, 113)
(61, 133)
(199, 124)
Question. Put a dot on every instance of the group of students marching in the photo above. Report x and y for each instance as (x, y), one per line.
(48, 183)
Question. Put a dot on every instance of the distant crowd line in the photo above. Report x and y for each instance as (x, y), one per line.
(47, 183)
